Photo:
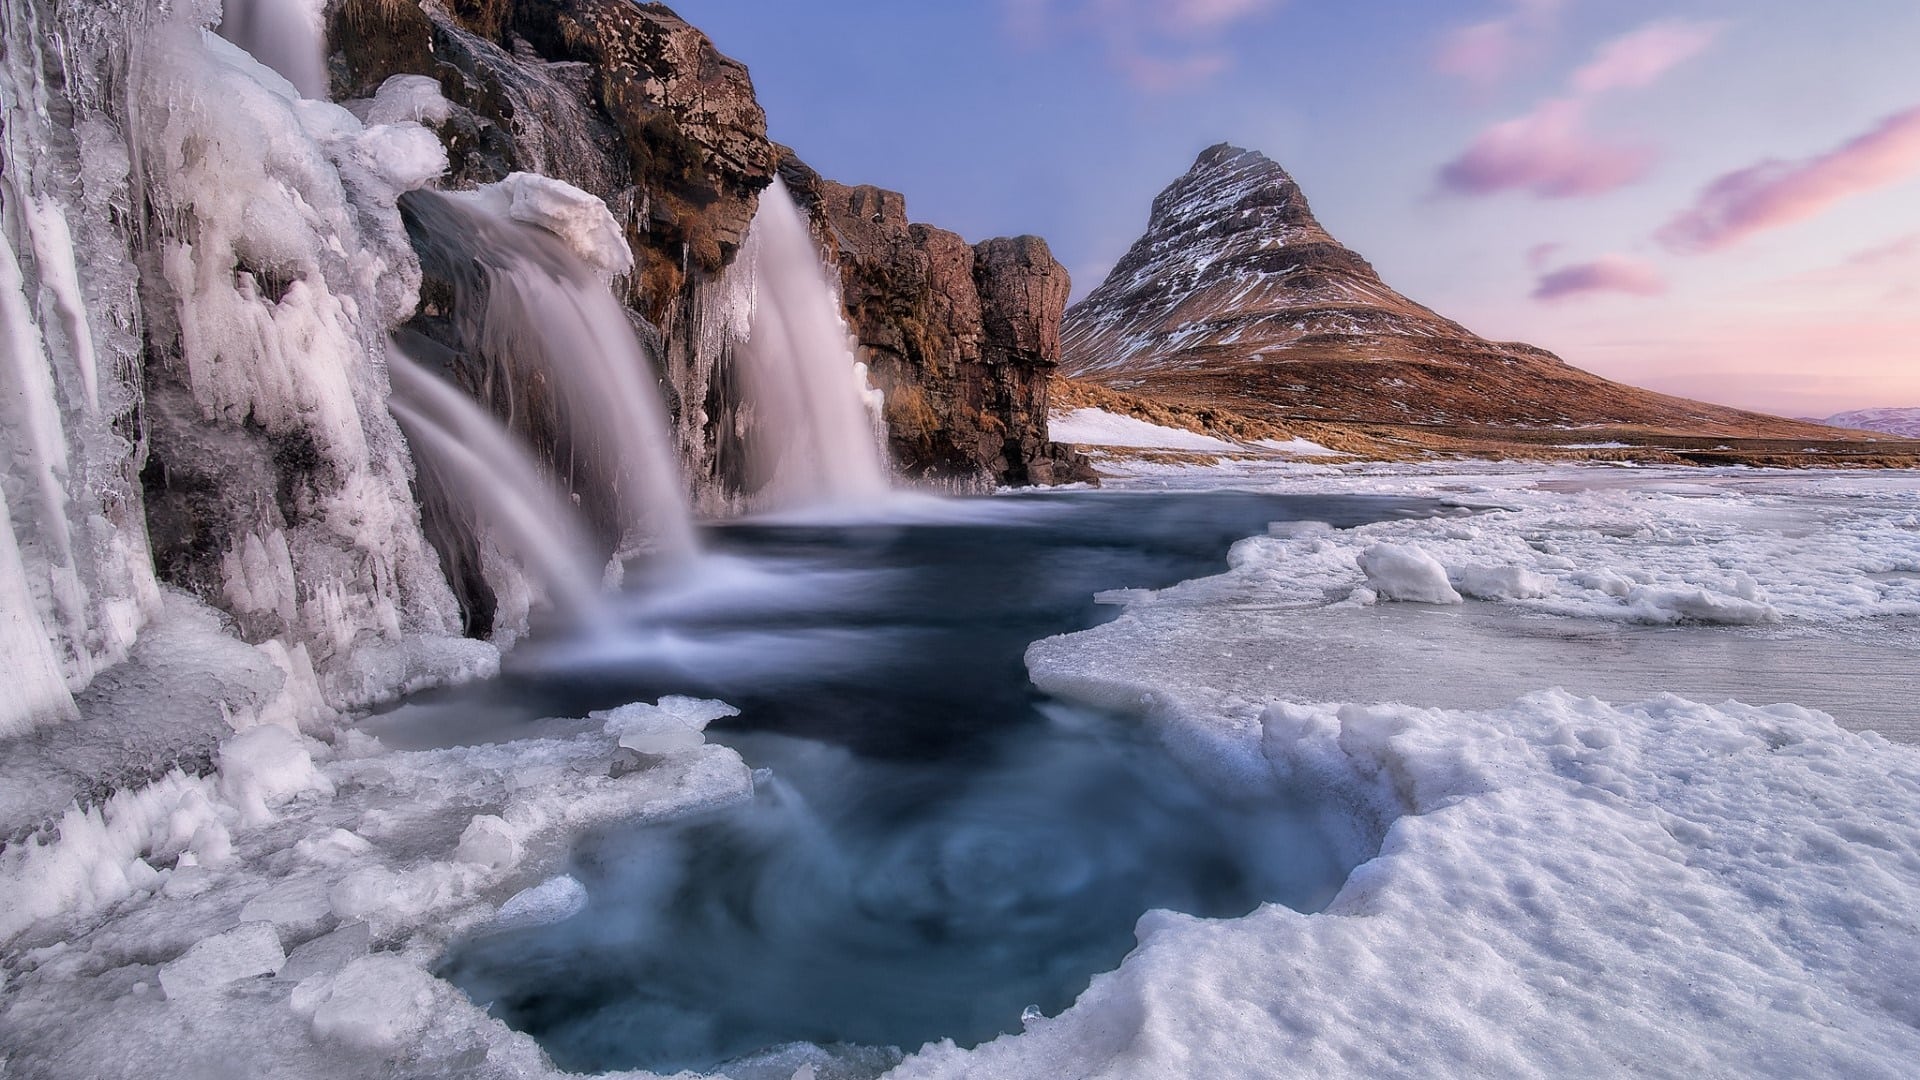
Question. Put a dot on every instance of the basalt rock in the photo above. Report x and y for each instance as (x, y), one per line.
(960, 337)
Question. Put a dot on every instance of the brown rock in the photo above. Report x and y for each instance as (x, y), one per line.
(960, 337)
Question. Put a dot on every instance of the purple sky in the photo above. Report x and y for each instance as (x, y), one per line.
(1719, 198)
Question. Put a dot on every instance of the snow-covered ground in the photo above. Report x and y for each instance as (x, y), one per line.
(1567, 885)
(1099, 428)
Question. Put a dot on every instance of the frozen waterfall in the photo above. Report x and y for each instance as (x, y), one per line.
(818, 435)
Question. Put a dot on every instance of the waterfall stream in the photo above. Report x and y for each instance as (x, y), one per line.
(540, 320)
(817, 437)
(285, 35)
(479, 460)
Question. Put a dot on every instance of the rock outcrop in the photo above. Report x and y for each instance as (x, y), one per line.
(960, 337)
(1237, 298)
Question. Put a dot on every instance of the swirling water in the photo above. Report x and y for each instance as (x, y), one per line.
(934, 849)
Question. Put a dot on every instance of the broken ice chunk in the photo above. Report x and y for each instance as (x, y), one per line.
(299, 905)
(672, 725)
(551, 901)
(328, 952)
(243, 952)
(374, 1003)
(490, 842)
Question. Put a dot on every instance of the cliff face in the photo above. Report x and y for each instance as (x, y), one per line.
(630, 103)
(961, 338)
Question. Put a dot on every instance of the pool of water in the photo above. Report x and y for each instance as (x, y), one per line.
(934, 848)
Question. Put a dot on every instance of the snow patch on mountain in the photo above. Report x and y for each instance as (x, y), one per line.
(1902, 422)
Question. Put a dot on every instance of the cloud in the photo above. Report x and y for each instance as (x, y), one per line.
(1539, 255)
(1549, 150)
(1638, 60)
(1487, 53)
(1608, 273)
(1776, 193)
(1895, 251)
(1160, 46)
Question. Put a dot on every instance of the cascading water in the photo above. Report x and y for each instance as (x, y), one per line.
(285, 35)
(472, 454)
(539, 318)
(816, 435)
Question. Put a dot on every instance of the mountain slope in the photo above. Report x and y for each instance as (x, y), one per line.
(1236, 297)
(1904, 423)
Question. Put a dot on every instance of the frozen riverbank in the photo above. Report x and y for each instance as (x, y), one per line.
(1564, 886)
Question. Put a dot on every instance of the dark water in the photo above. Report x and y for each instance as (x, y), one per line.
(933, 847)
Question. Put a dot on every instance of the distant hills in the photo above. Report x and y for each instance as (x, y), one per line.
(1902, 422)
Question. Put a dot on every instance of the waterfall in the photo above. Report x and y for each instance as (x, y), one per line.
(285, 35)
(478, 460)
(555, 350)
(816, 435)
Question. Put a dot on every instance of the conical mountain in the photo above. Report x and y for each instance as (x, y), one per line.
(1237, 298)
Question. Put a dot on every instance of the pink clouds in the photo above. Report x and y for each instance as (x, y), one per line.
(1774, 193)
(1160, 46)
(1488, 52)
(1638, 60)
(1893, 252)
(1549, 150)
(1606, 274)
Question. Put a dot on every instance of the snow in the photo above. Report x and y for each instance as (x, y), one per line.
(1297, 447)
(209, 871)
(1403, 572)
(409, 98)
(1096, 427)
(672, 725)
(1902, 422)
(551, 901)
(185, 882)
(1566, 885)
(575, 216)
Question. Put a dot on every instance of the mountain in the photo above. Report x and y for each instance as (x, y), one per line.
(1902, 422)
(1237, 297)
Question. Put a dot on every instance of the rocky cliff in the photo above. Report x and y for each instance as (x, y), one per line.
(961, 337)
(628, 102)
(1236, 297)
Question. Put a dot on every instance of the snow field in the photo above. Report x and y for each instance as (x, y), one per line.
(1566, 888)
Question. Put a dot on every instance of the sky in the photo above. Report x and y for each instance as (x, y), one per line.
(1715, 198)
